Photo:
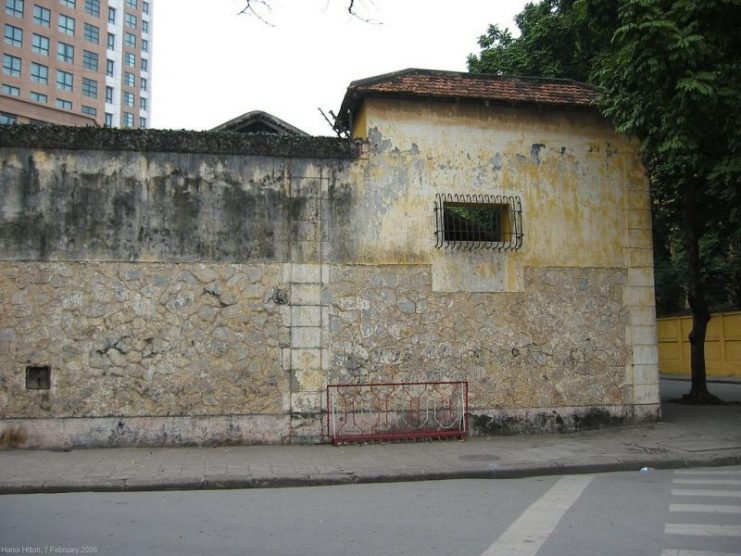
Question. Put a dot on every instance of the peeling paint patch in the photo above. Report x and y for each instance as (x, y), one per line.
(535, 152)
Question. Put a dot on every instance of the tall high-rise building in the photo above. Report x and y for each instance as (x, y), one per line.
(78, 62)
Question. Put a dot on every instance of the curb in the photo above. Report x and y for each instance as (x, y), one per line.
(493, 472)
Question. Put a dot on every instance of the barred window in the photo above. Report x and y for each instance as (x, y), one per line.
(478, 222)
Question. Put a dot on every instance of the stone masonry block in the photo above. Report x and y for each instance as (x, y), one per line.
(643, 316)
(644, 335)
(307, 402)
(306, 359)
(640, 257)
(646, 393)
(306, 294)
(645, 374)
(645, 355)
(639, 219)
(285, 359)
(306, 315)
(641, 277)
(638, 296)
(306, 337)
(640, 238)
(637, 200)
(306, 274)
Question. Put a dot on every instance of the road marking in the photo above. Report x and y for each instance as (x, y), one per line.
(683, 552)
(700, 492)
(529, 531)
(725, 482)
(708, 472)
(705, 508)
(701, 529)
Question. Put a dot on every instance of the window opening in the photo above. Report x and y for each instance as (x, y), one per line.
(478, 222)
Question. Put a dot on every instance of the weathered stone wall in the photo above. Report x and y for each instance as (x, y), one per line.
(207, 288)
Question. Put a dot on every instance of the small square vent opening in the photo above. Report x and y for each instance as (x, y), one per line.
(38, 377)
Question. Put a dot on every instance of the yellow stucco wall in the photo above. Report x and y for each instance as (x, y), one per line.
(569, 168)
(722, 345)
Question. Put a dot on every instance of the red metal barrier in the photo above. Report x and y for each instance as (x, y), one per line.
(396, 411)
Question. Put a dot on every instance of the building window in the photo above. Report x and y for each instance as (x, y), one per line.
(130, 60)
(65, 80)
(145, 45)
(129, 79)
(89, 110)
(145, 26)
(145, 64)
(128, 119)
(478, 222)
(92, 7)
(8, 119)
(111, 41)
(92, 33)
(64, 104)
(131, 4)
(145, 7)
(11, 91)
(111, 15)
(108, 119)
(14, 7)
(131, 20)
(109, 95)
(40, 44)
(130, 40)
(109, 68)
(11, 65)
(144, 83)
(89, 60)
(13, 35)
(66, 25)
(128, 99)
(143, 123)
(68, 3)
(89, 87)
(65, 52)
(143, 103)
(41, 16)
(39, 73)
(38, 97)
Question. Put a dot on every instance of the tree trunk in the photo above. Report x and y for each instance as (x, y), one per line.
(698, 304)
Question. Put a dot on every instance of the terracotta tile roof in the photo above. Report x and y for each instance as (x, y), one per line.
(455, 85)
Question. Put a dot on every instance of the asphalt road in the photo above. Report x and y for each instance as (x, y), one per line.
(657, 513)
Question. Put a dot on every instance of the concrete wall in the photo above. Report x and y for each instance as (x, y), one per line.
(207, 288)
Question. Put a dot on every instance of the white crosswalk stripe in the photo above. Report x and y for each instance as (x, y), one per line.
(718, 482)
(702, 492)
(529, 531)
(711, 520)
(705, 508)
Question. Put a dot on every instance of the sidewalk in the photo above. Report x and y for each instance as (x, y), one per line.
(686, 437)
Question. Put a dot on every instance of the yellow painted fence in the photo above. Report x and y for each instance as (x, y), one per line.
(722, 345)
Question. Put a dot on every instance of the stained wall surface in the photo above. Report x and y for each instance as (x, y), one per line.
(199, 297)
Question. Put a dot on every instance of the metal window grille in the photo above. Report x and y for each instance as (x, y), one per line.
(478, 222)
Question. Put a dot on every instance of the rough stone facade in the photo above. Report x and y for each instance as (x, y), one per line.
(209, 293)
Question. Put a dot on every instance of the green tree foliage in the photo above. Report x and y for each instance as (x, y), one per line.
(670, 74)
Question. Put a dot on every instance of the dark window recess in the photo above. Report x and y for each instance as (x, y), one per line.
(38, 378)
(478, 222)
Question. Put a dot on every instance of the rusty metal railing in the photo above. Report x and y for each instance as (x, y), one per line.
(396, 411)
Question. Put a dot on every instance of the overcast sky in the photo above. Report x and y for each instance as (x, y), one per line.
(211, 65)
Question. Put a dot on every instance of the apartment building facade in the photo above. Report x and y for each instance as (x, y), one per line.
(76, 62)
